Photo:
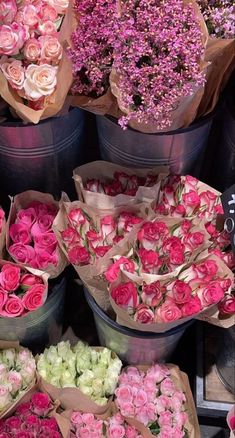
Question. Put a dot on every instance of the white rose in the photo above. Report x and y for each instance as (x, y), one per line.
(101, 401)
(97, 387)
(63, 349)
(40, 81)
(3, 370)
(8, 357)
(86, 390)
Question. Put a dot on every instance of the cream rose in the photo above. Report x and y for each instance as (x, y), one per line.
(40, 81)
(59, 5)
(13, 71)
(51, 49)
(32, 50)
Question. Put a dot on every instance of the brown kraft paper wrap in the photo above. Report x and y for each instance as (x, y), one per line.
(25, 396)
(73, 398)
(22, 201)
(104, 171)
(3, 237)
(123, 318)
(55, 102)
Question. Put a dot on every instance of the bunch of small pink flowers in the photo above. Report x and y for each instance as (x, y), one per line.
(153, 399)
(31, 420)
(30, 50)
(219, 16)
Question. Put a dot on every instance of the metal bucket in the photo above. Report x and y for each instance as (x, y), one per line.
(41, 157)
(225, 361)
(182, 150)
(134, 346)
(40, 328)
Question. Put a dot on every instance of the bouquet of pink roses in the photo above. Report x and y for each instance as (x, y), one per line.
(34, 73)
(21, 291)
(30, 238)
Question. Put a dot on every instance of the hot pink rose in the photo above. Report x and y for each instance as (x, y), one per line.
(3, 297)
(177, 257)
(34, 297)
(167, 387)
(125, 295)
(42, 225)
(46, 241)
(152, 293)
(127, 221)
(113, 189)
(20, 233)
(144, 314)
(172, 244)
(23, 409)
(30, 280)
(226, 306)
(44, 258)
(12, 424)
(14, 71)
(123, 262)
(50, 423)
(178, 211)
(208, 199)
(192, 307)
(94, 238)
(194, 240)
(10, 277)
(76, 217)
(40, 404)
(51, 49)
(150, 233)
(191, 200)
(8, 9)
(13, 307)
(107, 225)
(168, 312)
(12, 38)
(33, 423)
(100, 251)
(26, 216)
(70, 236)
(32, 50)
(94, 185)
(78, 255)
(210, 294)
(206, 270)
(181, 292)
(150, 260)
(42, 209)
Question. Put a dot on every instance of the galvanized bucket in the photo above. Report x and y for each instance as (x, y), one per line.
(41, 157)
(40, 328)
(134, 346)
(225, 359)
(182, 150)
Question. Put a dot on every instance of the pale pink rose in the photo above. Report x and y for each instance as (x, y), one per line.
(47, 12)
(140, 399)
(13, 307)
(88, 418)
(30, 16)
(3, 370)
(133, 375)
(171, 432)
(167, 387)
(41, 80)
(10, 277)
(14, 377)
(12, 38)
(59, 5)
(13, 71)
(32, 50)
(116, 431)
(51, 49)
(177, 401)
(5, 397)
(162, 403)
(76, 418)
(168, 312)
(144, 314)
(127, 409)
(44, 258)
(158, 372)
(20, 233)
(124, 394)
(165, 419)
(22, 253)
(180, 418)
(46, 241)
(146, 414)
(47, 28)
(8, 9)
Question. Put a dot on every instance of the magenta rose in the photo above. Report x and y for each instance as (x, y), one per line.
(20, 233)
(43, 209)
(100, 251)
(226, 306)
(113, 189)
(46, 241)
(112, 272)
(150, 233)
(78, 255)
(168, 312)
(192, 307)
(34, 297)
(12, 424)
(3, 297)
(152, 293)
(22, 253)
(44, 258)
(177, 257)
(70, 236)
(172, 244)
(26, 216)
(40, 404)
(23, 434)
(181, 292)
(32, 423)
(211, 294)
(23, 409)
(50, 423)
(150, 260)
(30, 280)
(125, 295)
(13, 307)
(10, 277)
(144, 314)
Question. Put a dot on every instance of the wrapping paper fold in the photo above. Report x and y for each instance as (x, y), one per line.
(3, 237)
(21, 201)
(104, 171)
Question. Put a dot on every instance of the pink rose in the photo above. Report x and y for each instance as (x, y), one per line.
(162, 403)
(140, 398)
(127, 221)
(30, 16)
(146, 414)
(180, 418)
(10, 277)
(3, 297)
(12, 38)
(131, 432)
(124, 394)
(32, 50)
(46, 241)
(181, 292)
(26, 216)
(226, 306)
(78, 255)
(113, 189)
(208, 199)
(150, 260)
(167, 387)
(144, 314)
(42, 225)
(15, 379)
(150, 233)
(44, 258)
(76, 418)
(47, 12)
(94, 238)
(165, 418)
(116, 431)
(51, 49)
(107, 226)
(168, 312)
(30, 280)
(40, 404)
(206, 270)
(100, 251)
(19, 233)
(191, 200)
(12, 424)
(152, 293)
(210, 294)
(47, 28)
(34, 297)
(70, 236)
(172, 244)
(192, 307)
(178, 211)
(8, 9)
(168, 431)
(13, 71)
(123, 262)
(50, 423)
(13, 307)
(132, 375)
(194, 240)
(41, 80)
(177, 401)
(190, 182)
(88, 418)
(158, 372)
(125, 295)
(76, 217)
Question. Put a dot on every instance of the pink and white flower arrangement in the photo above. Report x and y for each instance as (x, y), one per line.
(153, 399)
(30, 51)
(219, 16)
(195, 288)
(17, 374)
(32, 241)
(21, 292)
(31, 420)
